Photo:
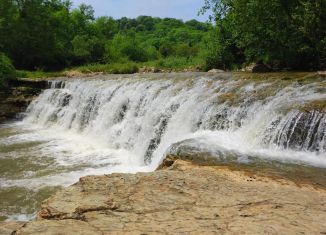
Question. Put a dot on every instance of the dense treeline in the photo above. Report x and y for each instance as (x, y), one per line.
(281, 33)
(50, 35)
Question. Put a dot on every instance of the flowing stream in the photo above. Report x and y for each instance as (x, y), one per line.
(130, 123)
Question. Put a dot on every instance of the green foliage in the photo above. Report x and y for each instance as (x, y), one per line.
(87, 49)
(166, 49)
(185, 50)
(38, 74)
(7, 70)
(45, 35)
(279, 33)
(176, 63)
(221, 51)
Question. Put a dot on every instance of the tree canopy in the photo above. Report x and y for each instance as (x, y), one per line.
(282, 33)
(50, 35)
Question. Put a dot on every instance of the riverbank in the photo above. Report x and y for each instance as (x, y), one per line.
(183, 198)
(15, 99)
(167, 65)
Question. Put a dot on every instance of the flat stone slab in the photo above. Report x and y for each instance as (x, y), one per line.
(7, 228)
(182, 199)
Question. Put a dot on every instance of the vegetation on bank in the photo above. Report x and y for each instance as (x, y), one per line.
(163, 65)
(282, 34)
(127, 67)
(42, 36)
(7, 71)
(49, 35)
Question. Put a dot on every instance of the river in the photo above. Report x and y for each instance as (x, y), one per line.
(115, 123)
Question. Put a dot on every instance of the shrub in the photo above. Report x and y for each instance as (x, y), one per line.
(7, 70)
(134, 53)
(127, 68)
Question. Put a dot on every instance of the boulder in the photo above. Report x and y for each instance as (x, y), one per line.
(261, 68)
(322, 73)
(150, 70)
(216, 71)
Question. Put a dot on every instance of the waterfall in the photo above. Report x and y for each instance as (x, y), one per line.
(145, 115)
(129, 123)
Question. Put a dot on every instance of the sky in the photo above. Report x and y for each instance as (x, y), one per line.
(180, 9)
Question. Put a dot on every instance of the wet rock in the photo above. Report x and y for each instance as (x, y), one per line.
(150, 70)
(167, 162)
(12, 103)
(182, 199)
(15, 99)
(200, 152)
(322, 73)
(247, 68)
(261, 68)
(29, 83)
(216, 71)
(258, 67)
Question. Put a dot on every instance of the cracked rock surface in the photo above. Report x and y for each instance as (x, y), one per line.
(182, 199)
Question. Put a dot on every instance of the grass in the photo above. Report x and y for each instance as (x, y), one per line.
(316, 105)
(164, 64)
(176, 63)
(115, 68)
(38, 74)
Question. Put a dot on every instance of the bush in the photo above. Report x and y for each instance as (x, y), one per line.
(134, 53)
(7, 70)
(128, 68)
(87, 49)
(177, 63)
(166, 50)
(38, 74)
(184, 50)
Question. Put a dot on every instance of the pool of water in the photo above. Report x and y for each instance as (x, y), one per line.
(35, 162)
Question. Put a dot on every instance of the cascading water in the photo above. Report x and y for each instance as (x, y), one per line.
(128, 124)
(146, 116)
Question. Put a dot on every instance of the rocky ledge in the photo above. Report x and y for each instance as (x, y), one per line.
(182, 198)
(14, 100)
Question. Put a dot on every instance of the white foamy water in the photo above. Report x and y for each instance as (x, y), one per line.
(104, 125)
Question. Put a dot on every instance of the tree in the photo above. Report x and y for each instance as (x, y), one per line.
(38, 40)
(7, 70)
(147, 22)
(87, 49)
(166, 49)
(107, 27)
(8, 24)
(195, 24)
(278, 32)
(50, 35)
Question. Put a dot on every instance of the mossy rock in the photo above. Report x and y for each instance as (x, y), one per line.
(230, 98)
(316, 105)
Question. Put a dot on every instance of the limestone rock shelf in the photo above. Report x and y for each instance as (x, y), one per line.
(15, 99)
(182, 199)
